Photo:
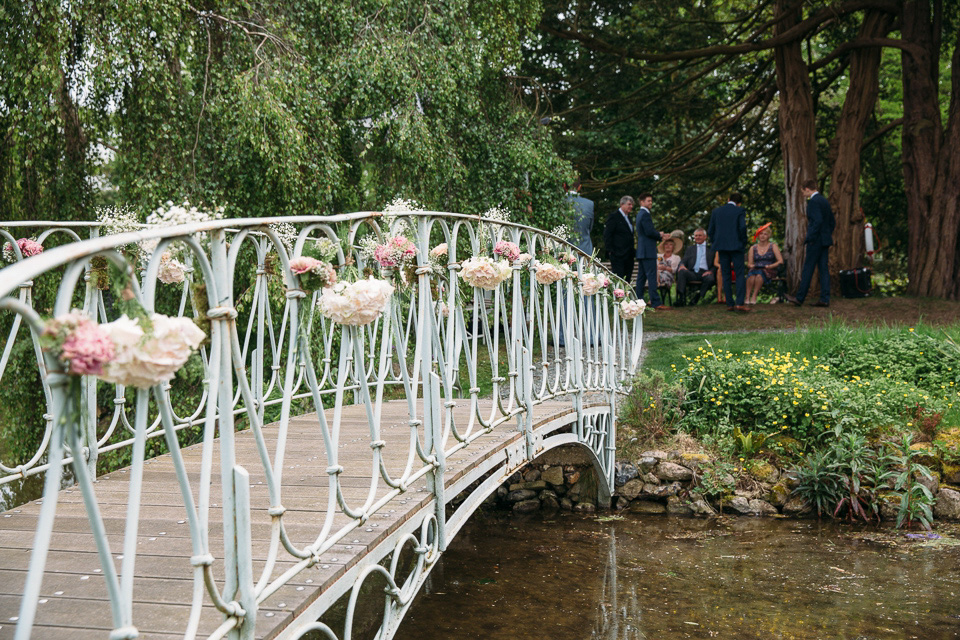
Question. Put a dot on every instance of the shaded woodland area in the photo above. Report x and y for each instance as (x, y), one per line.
(280, 108)
(692, 100)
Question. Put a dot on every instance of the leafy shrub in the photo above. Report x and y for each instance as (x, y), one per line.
(714, 480)
(773, 391)
(652, 409)
(916, 501)
(820, 483)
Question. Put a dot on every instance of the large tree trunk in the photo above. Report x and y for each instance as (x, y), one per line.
(797, 139)
(858, 104)
(931, 174)
(947, 191)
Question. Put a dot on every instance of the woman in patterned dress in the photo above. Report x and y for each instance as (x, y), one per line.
(763, 258)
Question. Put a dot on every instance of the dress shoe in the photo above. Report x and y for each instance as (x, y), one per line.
(821, 304)
(731, 308)
(742, 309)
(663, 307)
(695, 300)
(793, 300)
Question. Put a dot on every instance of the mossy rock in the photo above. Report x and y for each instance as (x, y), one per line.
(778, 494)
(929, 455)
(951, 473)
(949, 440)
(764, 472)
(694, 460)
(789, 444)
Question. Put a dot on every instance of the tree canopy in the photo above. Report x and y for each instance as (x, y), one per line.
(269, 108)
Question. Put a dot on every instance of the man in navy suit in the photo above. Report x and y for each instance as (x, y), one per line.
(584, 221)
(728, 234)
(647, 239)
(618, 239)
(820, 225)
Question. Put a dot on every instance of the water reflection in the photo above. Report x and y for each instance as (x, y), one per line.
(664, 578)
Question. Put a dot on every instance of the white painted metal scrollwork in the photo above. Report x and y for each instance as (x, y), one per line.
(271, 356)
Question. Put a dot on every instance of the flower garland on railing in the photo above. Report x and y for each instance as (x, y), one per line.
(485, 273)
(355, 303)
(630, 309)
(139, 351)
(28, 248)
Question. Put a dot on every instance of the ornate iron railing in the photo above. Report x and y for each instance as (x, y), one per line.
(271, 354)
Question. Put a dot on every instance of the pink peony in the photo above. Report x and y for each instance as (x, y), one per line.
(29, 247)
(303, 264)
(591, 284)
(85, 345)
(619, 294)
(395, 252)
(524, 258)
(507, 250)
(548, 273)
(439, 251)
(484, 272)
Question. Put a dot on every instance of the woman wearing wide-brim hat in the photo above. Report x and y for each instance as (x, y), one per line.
(668, 261)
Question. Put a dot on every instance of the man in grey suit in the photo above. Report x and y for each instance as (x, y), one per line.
(820, 225)
(728, 234)
(647, 239)
(584, 222)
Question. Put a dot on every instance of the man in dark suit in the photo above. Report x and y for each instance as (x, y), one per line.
(728, 234)
(696, 267)
(647, 239)
(584, 221)
(618, 239)
(820, 225)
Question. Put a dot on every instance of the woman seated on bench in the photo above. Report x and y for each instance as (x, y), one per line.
(763, 258)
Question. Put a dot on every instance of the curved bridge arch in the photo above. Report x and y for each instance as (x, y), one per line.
(298, 454)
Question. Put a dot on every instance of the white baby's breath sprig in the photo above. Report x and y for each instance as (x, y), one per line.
(564, 232)
(287, 233)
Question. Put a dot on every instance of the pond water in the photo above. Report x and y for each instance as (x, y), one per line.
(569, 576)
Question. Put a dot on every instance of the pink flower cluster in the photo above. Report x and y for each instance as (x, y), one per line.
(619, 294)
(397, 251)
(507, 250)
(80, 343)
(548, 273)
(591, 284)
(28, 247)
(314, 274)
(484, 272)
(121, 351)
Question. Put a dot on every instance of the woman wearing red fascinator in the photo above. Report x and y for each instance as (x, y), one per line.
(763, 258)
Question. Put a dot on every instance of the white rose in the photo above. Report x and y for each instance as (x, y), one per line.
(632, 308)
(144, 360)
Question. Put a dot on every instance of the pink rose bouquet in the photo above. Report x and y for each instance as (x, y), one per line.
(619, 294)
(548, 273)
(591, 284)
(485, 273)
(507, 250)
(82, 345)
(28, 248)
(524, 258)
(439, 251)
(395, 252)
(314, 274)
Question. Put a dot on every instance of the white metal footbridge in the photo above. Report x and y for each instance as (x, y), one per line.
(293, 460)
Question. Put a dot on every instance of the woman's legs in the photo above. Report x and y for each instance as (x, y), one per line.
(754, 284)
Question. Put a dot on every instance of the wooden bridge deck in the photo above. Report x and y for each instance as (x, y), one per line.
(74, 603)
